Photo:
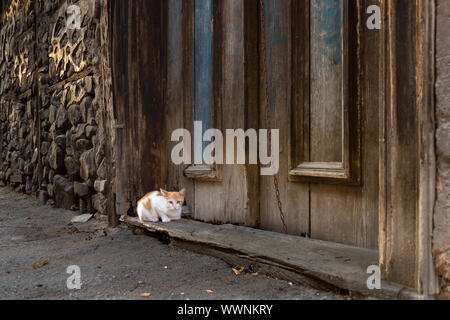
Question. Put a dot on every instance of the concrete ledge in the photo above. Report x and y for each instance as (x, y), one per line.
(313, 262)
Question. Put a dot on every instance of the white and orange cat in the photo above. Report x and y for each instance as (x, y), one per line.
(162, 204)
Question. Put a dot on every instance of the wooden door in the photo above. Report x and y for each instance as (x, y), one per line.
(323, 97)
(323, 81)
(207, 81)
(347, 101)
(139, 65)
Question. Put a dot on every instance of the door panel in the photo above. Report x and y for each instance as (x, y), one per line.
(330, 149)
(327, 73)
(349, 214)
(326, 145)
(139, 73)
(322, 96)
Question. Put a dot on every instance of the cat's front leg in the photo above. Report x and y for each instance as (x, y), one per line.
(165, 219)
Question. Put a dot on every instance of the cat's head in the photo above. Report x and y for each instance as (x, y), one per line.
(175, 200)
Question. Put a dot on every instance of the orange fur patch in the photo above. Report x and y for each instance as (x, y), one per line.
(146, 202)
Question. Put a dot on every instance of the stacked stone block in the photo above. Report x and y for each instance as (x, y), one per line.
(53, 115)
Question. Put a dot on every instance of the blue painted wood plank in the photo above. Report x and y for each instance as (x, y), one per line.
(276, 39)
(203, 62)
(326, 25)
(326, 81)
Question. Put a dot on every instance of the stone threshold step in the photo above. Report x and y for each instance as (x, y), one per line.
(323, 265)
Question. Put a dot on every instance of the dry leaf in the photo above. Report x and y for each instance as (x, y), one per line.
(238, 271)
(146, 294)
(209, 291)
(255, 274)
(1, 220)
(37, 265)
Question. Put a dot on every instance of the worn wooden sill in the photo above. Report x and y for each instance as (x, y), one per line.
(312, 262)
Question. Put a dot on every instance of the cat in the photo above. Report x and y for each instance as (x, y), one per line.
(161, 204)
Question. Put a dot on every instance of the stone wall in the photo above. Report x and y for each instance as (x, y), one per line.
(442, 210)
(55, 107)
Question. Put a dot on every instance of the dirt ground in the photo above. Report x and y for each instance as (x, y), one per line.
(114, 263)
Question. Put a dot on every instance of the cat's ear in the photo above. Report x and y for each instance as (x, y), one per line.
(163, 192)
(183, 192)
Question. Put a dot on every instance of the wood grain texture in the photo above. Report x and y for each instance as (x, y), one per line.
(325, 146)
(225, 198)
(426, 77)
(203, 63)
(348, 214)
(322, 262)
(227, 201)
(139, 73)
(326, 80)
(293, 196)
(178, 94)
(399, 189)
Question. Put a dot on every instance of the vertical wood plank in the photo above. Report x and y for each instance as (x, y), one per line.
(294, 196)
(326, 76)
(177, 93)
(227, 201)
(401, 157)
(119, 57)
(139, 71)
(427, 282)
(349, 214)
(203, 62)
(251, 37)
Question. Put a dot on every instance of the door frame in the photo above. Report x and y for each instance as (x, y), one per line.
(392, 213)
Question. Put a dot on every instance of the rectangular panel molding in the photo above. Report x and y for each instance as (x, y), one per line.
(326, 117)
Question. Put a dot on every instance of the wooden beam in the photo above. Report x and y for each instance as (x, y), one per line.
(399, 245)
(407, 156)
(427, 282)
(311, 262)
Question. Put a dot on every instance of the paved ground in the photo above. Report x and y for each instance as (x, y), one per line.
(114, 263)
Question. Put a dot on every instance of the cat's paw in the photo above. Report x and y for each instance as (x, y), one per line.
(149, 220)
(165, 220)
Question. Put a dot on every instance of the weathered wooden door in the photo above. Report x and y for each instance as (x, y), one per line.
(345, 99)
(323, 96)
(139, 73)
